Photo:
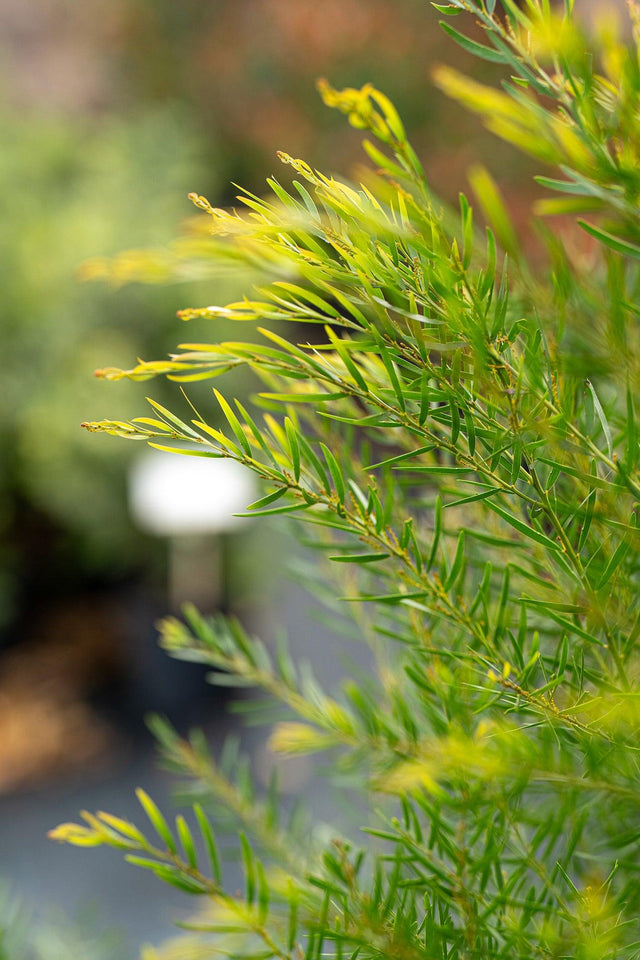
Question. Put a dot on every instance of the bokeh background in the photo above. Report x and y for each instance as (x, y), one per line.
(111, 111)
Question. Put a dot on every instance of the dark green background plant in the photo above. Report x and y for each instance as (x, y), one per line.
(458, 441)
(54, 485)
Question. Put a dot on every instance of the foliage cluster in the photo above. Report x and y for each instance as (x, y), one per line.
(458, 440)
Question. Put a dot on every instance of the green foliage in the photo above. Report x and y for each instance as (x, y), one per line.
(458, 442)
(71, 189)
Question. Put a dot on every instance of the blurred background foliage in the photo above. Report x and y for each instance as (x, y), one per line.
(55, 938)
(72, 186)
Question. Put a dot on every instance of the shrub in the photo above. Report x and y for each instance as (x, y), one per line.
(459, 441)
